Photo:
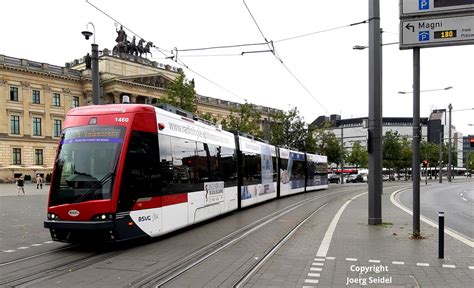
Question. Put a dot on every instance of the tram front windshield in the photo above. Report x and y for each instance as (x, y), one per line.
(86, 164)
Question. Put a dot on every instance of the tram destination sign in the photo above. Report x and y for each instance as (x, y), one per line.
(411, 8)
(435, 32)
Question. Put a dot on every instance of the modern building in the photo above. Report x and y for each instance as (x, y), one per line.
(35, 98)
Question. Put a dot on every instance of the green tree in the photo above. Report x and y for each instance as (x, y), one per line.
(358, 155)
(327, 144)
(470, 161)
(289, 129)
(391, 149)
(181, 93)
(246, 118)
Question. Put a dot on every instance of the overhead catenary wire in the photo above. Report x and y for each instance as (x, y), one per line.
(272, 47)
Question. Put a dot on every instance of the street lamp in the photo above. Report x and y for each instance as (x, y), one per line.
(95, 64)
(430, 90)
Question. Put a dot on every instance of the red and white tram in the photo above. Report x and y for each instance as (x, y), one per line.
(124, 171)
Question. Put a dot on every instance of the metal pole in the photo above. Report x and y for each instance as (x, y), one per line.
(450, 107)
(342, 155)
(440, 157)
(415, 170)
(375, 115)
(441, 235)
(95, 74)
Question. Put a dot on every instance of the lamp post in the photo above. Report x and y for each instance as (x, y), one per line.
(95, 64)
(450, 107)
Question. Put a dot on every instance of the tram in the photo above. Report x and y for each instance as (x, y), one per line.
(125, 171)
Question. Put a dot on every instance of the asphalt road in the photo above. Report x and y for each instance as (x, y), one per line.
(455, 199)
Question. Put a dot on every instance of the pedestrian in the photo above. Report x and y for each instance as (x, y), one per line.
(20, 184)
(39, 181)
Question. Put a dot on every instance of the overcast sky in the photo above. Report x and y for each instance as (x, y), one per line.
(336, 75)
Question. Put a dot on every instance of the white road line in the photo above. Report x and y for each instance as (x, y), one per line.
(330, 258)
(471, 267)
(308, 286)
(314, 274)
(22, 248)
(319, 259)
(48, 242)
(36, 245)
(423, 264)
(324, 246)
(351, 259)
(312, 281)
(450, 232)
(374, 261)
(9, 251)
(318, 264)
(448, 266)
(316, 269)
(464, 199)
(398, 262)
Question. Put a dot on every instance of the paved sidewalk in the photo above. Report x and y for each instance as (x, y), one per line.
(385, 256)
(30, 189)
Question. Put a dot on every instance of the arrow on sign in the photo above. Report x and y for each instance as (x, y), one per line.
(410, 27)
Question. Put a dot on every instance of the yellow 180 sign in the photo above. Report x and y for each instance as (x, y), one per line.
(445, 34)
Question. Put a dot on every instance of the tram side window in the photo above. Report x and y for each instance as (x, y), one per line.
(251, 168)
(275, 169)
(228, 161)
(298, 171)
(141, 174)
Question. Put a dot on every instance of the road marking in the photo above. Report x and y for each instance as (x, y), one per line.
(449, 231)
(318, 264)
(471, 267)
(47, 242)
(324, 246)
(331, 258)
(9, 251)
(423, 264)
(312, 281)
(316, 269)
(314, 274)
(374, 261)
(22, 248)
(464, 199)
(308, 286)
(319, 259)
(448, 266)
(36, 245)
(398, 262)
(351, 259)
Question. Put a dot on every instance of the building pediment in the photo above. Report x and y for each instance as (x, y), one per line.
(156, 81)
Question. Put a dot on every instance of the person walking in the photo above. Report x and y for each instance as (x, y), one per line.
(20, 184)
(39, 181)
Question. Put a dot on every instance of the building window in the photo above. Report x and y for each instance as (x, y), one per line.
(57, 128)
(38, 156)
(75, 101)
(56, 99)
(13, 93)
(15, 124)
(36, 126)
(36, 97)
(16, 156)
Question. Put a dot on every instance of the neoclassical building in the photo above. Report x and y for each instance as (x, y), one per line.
(35, 98)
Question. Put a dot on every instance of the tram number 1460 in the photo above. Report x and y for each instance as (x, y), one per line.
(121, 119)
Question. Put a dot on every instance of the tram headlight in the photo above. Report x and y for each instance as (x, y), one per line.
(103, 217)
(52, 216)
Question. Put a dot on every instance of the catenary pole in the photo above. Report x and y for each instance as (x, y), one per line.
(375, 115)
(415, 170)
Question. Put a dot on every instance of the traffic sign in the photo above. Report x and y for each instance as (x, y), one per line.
(410, 8)
(435, 32)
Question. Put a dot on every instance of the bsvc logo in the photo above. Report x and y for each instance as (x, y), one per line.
(423, 4)
(424, 36)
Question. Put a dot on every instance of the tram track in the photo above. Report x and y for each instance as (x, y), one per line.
(167, 275)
